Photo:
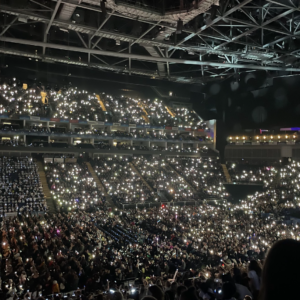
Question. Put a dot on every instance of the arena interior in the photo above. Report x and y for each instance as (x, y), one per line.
(149, 149)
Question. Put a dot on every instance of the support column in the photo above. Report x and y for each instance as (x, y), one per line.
(24, 138)
(71, 141)
(24, 123)
(47, 125)
(92, 141)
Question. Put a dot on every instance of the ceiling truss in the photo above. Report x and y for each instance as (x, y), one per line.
(238, 35)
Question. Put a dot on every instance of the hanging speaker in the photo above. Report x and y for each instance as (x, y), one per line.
(179, 27)
(78, 15)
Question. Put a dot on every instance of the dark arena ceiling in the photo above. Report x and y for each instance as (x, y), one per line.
(181, 41)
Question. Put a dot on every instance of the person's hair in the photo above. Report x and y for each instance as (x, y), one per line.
(189, 294)
(204, 287)
(148, 298)
(174, 287)
(188, 283)
(228, 290)
(254, 266)
(116, 296)
(180, 290)
(169, 295)
(280, 275)
(156, 292)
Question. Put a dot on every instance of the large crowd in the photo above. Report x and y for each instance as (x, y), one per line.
(76, 104)
(73, 187)
(89, 250)
(20, 188)
(121, 181)
(202, 252)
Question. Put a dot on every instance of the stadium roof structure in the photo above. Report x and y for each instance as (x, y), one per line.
(176, 40)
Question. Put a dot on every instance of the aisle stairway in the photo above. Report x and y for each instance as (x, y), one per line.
(133, 167)
(101, 103)
(226, 173)
(100, 185)
(142, 106)
(146, 119)
(179, 175)
(171, 112)
(46, 190)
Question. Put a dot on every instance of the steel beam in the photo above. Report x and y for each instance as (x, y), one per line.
(100, 59)
(42, 5)
(168, 65)
(76, 63)
(119, 62)
(161, 53)
(249, 16)
(144, 57)
(94, 8)
(97, 42)
(202, 67)
(129, 60)
(84, 28)
(89, 46)
(281, 39)
(82, 40)
(207, 44)
(220, 33)
(89, 54)
(130, 39)
(216, 20)
(267, 7)
(281, 4)
(235, 38)
(99, 28)
(21, 23)
(254, 25)
(50, 23)
(53, 16)
(148, 30)
(257, 27)
(172, 52)
(8, 26)
(287, 12)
